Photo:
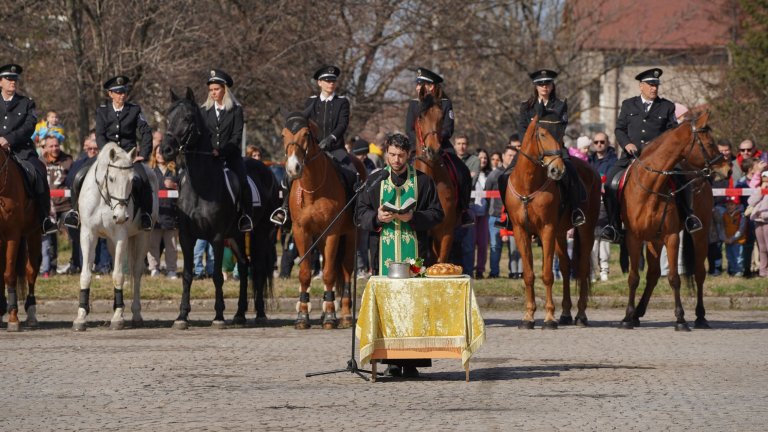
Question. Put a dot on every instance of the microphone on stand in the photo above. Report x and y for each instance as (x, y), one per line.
(375, 178)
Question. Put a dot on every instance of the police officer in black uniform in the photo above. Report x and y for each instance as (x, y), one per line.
(428, 82)
(120, 122)
(641, 119)
(224, 117)
(17, 124)
(330, 112)
(553, 116)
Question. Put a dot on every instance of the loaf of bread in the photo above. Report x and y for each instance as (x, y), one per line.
(444, 269)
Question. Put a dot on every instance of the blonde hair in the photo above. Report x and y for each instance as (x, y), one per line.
(171, 166)
(229, 101)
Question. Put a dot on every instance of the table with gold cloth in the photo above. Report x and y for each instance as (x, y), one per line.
(419, 318)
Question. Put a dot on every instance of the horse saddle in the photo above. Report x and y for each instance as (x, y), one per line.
(29, 177)
(233, 187)
(615, 185)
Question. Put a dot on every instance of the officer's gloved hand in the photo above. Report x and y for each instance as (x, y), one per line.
(327, 141)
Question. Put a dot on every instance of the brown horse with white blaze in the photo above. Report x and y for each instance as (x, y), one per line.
(430, 161)
(651, 216)
(535, 207)
(317, 196)
(20, 244)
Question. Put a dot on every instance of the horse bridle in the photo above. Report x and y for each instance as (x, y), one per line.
(541, 152)
(190, 131)
(305, 152)
(109, 198)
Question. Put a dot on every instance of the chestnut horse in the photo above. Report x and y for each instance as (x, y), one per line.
(650, 215)
(535, 206)
(20, 244)
(316, 197)
(429, 160)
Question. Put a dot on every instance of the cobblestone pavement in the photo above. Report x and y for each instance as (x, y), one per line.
(599, 378)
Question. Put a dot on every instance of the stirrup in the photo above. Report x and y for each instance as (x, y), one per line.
(49, 226)
(578, 218)
(146, 221)
(693, 224)
(279, 216)
(611, 234)
(245, 224)
(72, 219)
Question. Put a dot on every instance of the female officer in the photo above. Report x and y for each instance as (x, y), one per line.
(17, 121)
(428, 82)
(224, 117)
(553, 116)
(120, 122)
(330, 112)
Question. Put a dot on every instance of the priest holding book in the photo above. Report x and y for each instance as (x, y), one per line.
(398, 212)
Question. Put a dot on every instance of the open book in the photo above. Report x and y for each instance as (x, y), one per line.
(405, 206)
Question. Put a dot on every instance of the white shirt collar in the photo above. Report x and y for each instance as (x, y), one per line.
(645, 101)
(326, 99)
(218, 107)
(117, 110)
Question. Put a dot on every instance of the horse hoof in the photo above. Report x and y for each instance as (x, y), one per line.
(238, 320)
(566, 320)
(549, 325)
(626, 325)
(330, 324)
(682, 327)
(79, 326)
(701, 324)
(260, 321)
(345, 322)
(581, 322)
(525, 325)
(137, 323)
(180, 325)
(218, 324)
(117, 325)
(14, 326)
(302, 321)
(31, 323)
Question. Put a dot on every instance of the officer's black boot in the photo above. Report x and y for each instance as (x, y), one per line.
(72, 217)
(245, 223)
(573, 192)
(143, 194)
(281, 215)
(692, 222)
(465, 192)
(48, 223)
(611, 232)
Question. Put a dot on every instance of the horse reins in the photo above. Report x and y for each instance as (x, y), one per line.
(109, 198)
(305, 161)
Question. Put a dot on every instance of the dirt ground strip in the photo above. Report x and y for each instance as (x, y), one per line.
(599, 378)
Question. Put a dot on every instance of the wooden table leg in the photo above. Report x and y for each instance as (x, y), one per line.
(466, 369)
(373, 370)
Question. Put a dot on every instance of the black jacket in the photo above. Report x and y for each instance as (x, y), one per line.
(331, 116)
(447, 128)
(553, 117)
(636, 126)
(124, 129)
(166, 217)
(17, 124)
(226, 131)
(427, 214)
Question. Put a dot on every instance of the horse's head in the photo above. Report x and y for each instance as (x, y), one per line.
(185, 126)
(427, 127)
(543, 149)
(299, 143)
(703, 153)
(114, 177)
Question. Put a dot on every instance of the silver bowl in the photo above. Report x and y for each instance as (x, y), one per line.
(399, 270)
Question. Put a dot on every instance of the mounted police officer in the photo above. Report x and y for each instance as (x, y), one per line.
(224, 117)
(428, 82)
(553, 116)
(18, 119)
(330, 112)
(641, 119)
(120, 122)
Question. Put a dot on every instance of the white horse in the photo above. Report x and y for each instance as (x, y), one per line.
(107, 210)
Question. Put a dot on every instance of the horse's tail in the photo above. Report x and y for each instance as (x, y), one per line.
(689, 261)
(21, 270)
(582, 258)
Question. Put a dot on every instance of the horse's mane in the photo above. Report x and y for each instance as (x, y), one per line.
(426, 103)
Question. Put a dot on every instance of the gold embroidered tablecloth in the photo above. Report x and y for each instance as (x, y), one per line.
(419, 314)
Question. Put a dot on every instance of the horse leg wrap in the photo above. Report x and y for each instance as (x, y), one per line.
(118, 299)
(85, 296)
(29, 302)
(329, 296)
(304, 298)
(12, 300)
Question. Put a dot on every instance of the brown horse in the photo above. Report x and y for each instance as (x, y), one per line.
(535, 206)
(429, 160)
(651, 216)
(316, 197)
(20, 244)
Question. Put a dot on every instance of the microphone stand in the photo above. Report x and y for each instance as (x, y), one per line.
(352, 362)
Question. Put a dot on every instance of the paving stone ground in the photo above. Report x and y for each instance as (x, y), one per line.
(595, 379)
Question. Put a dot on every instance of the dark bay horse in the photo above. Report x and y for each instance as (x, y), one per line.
(535, 206)
(206, 211)
(429, 160)
(20, 244)
(650, 214)
(317, 195)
